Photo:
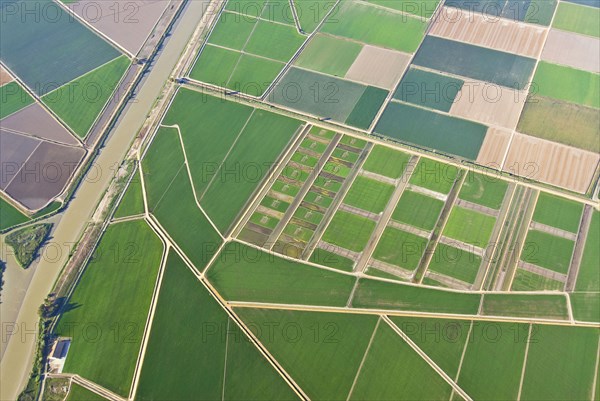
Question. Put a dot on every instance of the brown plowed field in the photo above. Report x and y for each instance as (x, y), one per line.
(494, 148)
(573, 50)
(5, 77)
(378, 67)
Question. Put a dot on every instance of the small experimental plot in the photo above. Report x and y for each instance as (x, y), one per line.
(584, 299)
(42, 52)
(328, 97)
(392, 370)
(312, 213)
(246, 52)
(548, 249)
(246, 274)
(552, 372)
(222, 363)
(312, 345)
(538, 12)
(269, 216)
(114, 292)
(578, 18)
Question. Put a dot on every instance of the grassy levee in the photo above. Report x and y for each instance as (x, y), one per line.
(394, 371)
(79, 102)
(321, 351)
(560, 363)
(558, 212)
(551, 306)
(386, 161)
(106, 314)
(13, 98)
(384, 295)
(196, 352)
(242, 273)
(132, 202)
(587, 278)
(483, 190)
(492, 365)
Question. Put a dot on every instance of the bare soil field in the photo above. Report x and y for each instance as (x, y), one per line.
(489, 104)
(33, 120)
(494, 148)
(495, 33)
(573, 50)
(378, 67)
(552, 163)
(45, 174)
(5, 77)
(14, 151)
(129, 25)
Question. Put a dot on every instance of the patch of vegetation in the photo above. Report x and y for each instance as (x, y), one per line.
(27, 242)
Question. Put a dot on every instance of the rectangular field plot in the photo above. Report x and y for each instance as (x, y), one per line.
(375, 26)
(369, 194)
(329, 55)
(526, 305)
(132, 202)
(418, 210)
(10, 215)
(386, 161)
(585, 306)
(349, 231)
(528, 281)
(423, 9)
(113, 293)
(330, 259)
(400, 248)
(558, 212)
(484, 190)
(431, 130)
(552, 372)
(587, 278)
(428, 89)
(13, 98)
(572, 50)
(378, 67)
(242, 273)
(42, 52)
(392, 370)
(493, 362)
(469, 226)
(455, 262)
(434, 176)
(548, 251)
(535, 11)
(577, 18)
(475, 62)
(568, 84)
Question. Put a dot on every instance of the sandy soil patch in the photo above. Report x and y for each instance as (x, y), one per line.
(494, 148)
(45, 174)
(552, 163)
(5, 77)
(495, 33)
(126, 22)
(573, 50)
(489, 104)
(34, 120)
(14, 151)
(378, 67)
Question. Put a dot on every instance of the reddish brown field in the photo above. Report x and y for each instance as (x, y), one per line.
(573, 50)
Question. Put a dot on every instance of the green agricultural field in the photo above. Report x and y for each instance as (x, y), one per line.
(329, 55)
(383, 295)
(317, 94)
(552, 371)
(483, 190)
(275, 41)
(308, 215)
(422, 9)
(277, 11)
(386, 161)
(349, 231)
(558, 212)
(232, 31)
(587, 278)
(469, 226)
(263, 220)
(248, 8)
(523, 305)
(47, 47)
(215, 65)
(13, 98)
(505, 69)
(428, 89)
(586, 306)
(113, 296)
(321, 344)
(562, 122)
(305, 160)
(441, 339)
(317, 199)
(568, 84)
(418, 210)
(132, 202)
(375, 26)
(10, 216)
(547, 250)
(241, 273)
(335, 168)
(433, 175)
(455, 262)
(330, 259)
(493, 363)
(392, 370)
(354, 142)
(374, 272)
(400, 248)
(527, 281)
(327, 183)
(311, 13)
(253, 75)
(433, 130)
(171, 199)
(78, 393)
(367, 107)
(577, 18)
(369, 194)
(285, 188)
(345, 155)
(540, 12)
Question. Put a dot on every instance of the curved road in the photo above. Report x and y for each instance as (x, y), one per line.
(18, 357)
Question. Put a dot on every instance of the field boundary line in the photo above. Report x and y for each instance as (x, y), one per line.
(569, 308)
(427, 359)
(225, 363)
(295, 16)
(595, 382)
(21, 168)
(395, 11)
(49, 140)
(462, 356)
(525, 362)
(364, 358)
(579, 248)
